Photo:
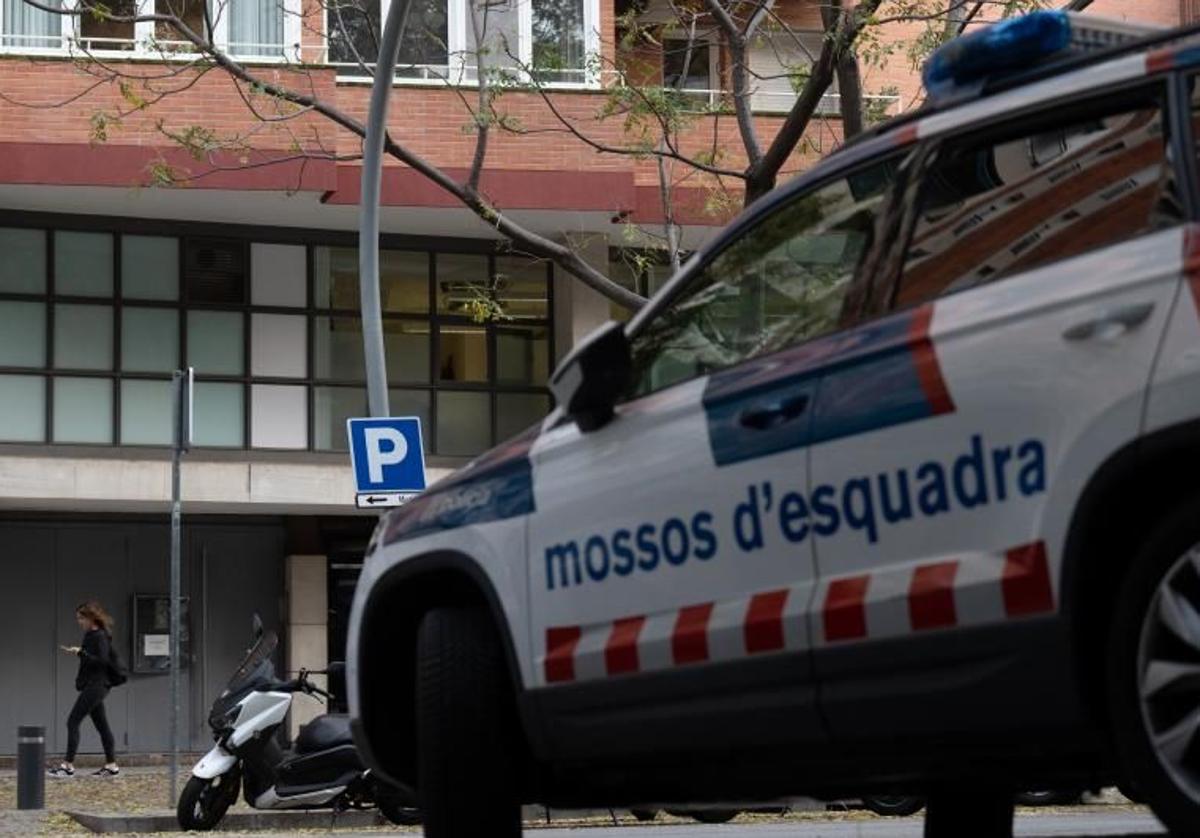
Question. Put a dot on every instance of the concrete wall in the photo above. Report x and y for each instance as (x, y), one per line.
(307, 628)
(142, 485)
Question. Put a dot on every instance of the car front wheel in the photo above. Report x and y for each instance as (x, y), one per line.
(1154, 671)
(467, 752)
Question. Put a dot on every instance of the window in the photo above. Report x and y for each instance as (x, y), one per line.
(687, 65)
(549, 41)
(1012, 203)
(94, 322)
(256, 28)
(641, 271)
(98, 32)
(26, 27)
(779, 66)
(783, 282)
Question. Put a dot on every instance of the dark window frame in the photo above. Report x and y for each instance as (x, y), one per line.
(50, 224)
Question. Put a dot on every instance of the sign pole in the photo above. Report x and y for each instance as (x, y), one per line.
(181, 391)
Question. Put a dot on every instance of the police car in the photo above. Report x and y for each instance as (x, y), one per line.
(894, 488)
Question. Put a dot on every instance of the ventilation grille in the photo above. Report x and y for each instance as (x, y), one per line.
(214, 271)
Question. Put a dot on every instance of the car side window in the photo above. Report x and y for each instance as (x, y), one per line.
(999, 206)
(783, 282)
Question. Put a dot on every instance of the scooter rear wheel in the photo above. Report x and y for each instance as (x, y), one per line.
(204, 802)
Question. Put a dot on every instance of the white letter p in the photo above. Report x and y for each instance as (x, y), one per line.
(377, 457)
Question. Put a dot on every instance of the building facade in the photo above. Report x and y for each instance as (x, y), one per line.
(155, 214)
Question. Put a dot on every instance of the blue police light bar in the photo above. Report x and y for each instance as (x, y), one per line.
(964, 64)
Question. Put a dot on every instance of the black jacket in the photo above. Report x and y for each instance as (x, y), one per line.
(94, 654)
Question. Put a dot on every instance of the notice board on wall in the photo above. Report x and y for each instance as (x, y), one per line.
(152, 633)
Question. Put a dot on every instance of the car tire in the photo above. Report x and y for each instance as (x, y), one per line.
(954, 813)
(894, 805)
(203, 803)
(1154, 671)
(467, 743)
(644, 815)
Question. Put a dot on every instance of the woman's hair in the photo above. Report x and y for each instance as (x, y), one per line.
(94, 611)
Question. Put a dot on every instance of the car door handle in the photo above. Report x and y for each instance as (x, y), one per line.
(766, 416)
(1111, 324)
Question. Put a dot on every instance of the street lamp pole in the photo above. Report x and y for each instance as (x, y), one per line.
(368, 224)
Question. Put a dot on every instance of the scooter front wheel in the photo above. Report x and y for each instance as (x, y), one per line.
(204, 802)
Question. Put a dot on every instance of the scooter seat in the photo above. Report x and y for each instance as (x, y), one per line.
(324, 732)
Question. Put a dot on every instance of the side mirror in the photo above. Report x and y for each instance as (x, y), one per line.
(593, 376)
(335, 669)
(256, 627)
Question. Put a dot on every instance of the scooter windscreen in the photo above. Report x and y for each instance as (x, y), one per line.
(256, 670)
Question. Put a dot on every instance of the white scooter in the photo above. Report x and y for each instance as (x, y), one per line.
(321, 770)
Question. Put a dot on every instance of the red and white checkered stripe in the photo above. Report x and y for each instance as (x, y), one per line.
(970, 590)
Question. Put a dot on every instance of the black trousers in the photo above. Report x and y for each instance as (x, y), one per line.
(90, 703)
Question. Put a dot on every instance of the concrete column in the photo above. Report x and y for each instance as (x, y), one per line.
(578, 309)
(307, 631)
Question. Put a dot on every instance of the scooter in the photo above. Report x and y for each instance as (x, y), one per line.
(321, 770)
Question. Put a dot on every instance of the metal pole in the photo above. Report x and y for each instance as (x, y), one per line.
(31, 767)
(368, 223)
(177, 393)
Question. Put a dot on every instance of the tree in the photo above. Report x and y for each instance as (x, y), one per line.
(662, 123)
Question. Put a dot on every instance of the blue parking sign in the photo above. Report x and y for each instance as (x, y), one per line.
(388, 458)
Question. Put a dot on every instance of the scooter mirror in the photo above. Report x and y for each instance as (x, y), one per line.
(336, 668)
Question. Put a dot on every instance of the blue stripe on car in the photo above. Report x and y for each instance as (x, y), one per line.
(496, 486)
(853, 382)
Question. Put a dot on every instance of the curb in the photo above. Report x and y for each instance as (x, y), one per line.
(233, 821)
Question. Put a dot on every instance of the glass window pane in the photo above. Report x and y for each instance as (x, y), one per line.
(462, 353)
(412, 403)
(353, 34)
(332, 406)
(22, 334)
(215, 343)
(99, 32)
(559, 54)
(277, 345)
(23, 268)
(403, 280)
(214, 270)
(278, 416)
(256, 28)
(149, 268)
(463, 283)
(219, 413)
(520, 288)
(83, 410)
(22, 408)
(784, 281)
(146, 413)
(1012, 204)
(149, 339)
(83, 264)
(522, 355)
(278, 275)
(31, 26)
(83, 337)
(338, 349)
(500, 22)
(517, 411)
(464, 423)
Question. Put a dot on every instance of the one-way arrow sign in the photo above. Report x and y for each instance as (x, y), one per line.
(374, 500)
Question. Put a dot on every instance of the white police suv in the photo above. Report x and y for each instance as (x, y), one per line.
(893, 488)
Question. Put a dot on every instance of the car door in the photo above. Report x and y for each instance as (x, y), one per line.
(1043, 265)
(667, 586)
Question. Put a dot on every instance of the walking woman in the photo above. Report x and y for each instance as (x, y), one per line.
(93, 682)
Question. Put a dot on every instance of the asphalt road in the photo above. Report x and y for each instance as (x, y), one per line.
(1082, 824)
(1066, 825)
